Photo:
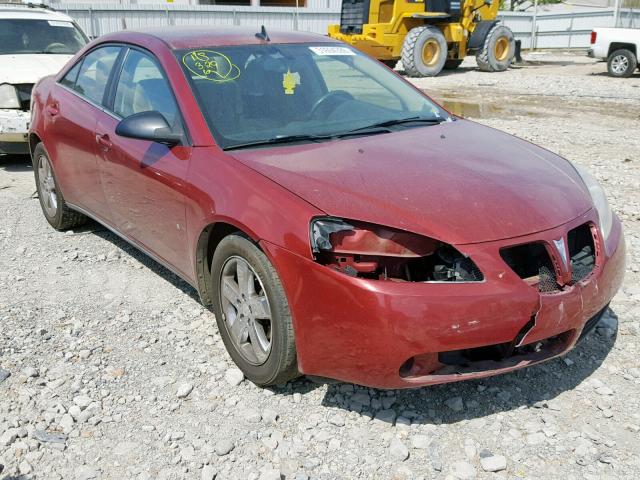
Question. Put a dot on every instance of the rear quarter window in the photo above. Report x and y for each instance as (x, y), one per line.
(94, 73)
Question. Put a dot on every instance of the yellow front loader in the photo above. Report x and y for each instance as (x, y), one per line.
(427, 35)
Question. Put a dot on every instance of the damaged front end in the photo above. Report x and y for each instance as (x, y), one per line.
(364, 250)
(14, 118)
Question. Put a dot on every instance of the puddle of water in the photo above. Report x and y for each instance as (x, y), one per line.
(528, 106)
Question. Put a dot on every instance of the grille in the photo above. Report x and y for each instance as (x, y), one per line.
(24, 94)
(532, 263)
(581, 252)
(353, 15)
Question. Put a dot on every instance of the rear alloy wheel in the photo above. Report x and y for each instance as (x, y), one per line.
(55, 210)
(498, 50)
(252, 312)
(622, 63)
(424, 52)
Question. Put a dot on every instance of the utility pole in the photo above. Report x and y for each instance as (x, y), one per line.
(616, 12)
(534, 25)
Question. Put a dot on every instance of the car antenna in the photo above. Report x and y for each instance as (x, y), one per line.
(263, 35)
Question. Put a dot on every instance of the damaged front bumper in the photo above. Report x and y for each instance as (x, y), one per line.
(14, 128)
(389, 334)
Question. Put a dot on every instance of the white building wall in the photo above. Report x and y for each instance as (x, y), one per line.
(314, 4)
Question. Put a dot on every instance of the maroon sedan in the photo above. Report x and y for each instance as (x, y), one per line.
(336, 220)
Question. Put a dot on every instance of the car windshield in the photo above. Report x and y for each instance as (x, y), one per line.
(21, 36)
(273, 93)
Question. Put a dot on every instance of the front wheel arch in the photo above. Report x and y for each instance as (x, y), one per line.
(208, 240)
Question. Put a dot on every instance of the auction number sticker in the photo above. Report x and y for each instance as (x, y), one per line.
(331, 51)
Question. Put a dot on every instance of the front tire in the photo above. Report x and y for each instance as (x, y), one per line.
(252, 312)
(498, 50)
(424, 52)
(622, 63)
(54, 208)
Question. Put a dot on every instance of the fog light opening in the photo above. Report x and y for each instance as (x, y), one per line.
(407, 367)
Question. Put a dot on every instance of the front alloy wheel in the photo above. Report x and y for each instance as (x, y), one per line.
(252, 312)
(246, 310)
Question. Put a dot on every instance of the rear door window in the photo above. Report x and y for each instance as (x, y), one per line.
(94, 73)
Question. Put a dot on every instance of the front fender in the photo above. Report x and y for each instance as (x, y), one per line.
(221, 190)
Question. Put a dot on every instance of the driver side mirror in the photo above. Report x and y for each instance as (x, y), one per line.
(150, 126)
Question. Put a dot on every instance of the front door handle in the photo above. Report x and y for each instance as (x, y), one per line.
(104, 142)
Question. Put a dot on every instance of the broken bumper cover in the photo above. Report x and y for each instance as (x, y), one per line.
(389, 334)
(14, 128)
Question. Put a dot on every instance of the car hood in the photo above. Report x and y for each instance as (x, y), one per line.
(459, 182)
(29, 68)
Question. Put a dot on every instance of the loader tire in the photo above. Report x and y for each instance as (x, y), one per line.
(424, 52)
(498, 50)
(452, 64)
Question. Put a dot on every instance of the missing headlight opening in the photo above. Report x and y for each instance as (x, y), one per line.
(370, 251)
(582, 251)
(532, 263)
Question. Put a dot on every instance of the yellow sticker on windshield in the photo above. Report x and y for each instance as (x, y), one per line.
(211, 65)
(289, 82)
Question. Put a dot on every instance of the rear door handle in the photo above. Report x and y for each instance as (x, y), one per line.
(52, 109)
(104, 142)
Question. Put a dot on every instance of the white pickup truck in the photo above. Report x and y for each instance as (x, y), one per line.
(619, 47)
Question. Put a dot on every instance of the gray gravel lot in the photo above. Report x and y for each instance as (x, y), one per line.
(111, 369)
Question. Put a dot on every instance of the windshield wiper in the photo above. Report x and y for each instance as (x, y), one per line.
(307, 138)
(282, 139)
(400, 121)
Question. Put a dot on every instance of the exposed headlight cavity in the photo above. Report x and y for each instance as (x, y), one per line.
(9, 96)
(376, 252)
(321, 230)
(599, 201)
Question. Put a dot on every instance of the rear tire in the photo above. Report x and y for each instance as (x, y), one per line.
(498, 50)
(622, 63)
(452, 64)
(262, 342)
(54, 208)
(424, 52)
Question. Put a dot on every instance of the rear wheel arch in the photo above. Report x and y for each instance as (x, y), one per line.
(613, 46)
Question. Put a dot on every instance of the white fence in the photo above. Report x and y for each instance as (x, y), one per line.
(564, 30)
(558, 30)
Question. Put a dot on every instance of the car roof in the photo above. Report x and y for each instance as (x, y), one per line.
(19, 12)
(178, 38)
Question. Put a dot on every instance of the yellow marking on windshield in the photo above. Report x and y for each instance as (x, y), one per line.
(289, 82)
(211, 65)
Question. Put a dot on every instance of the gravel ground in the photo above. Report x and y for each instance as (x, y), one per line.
(111, 369)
